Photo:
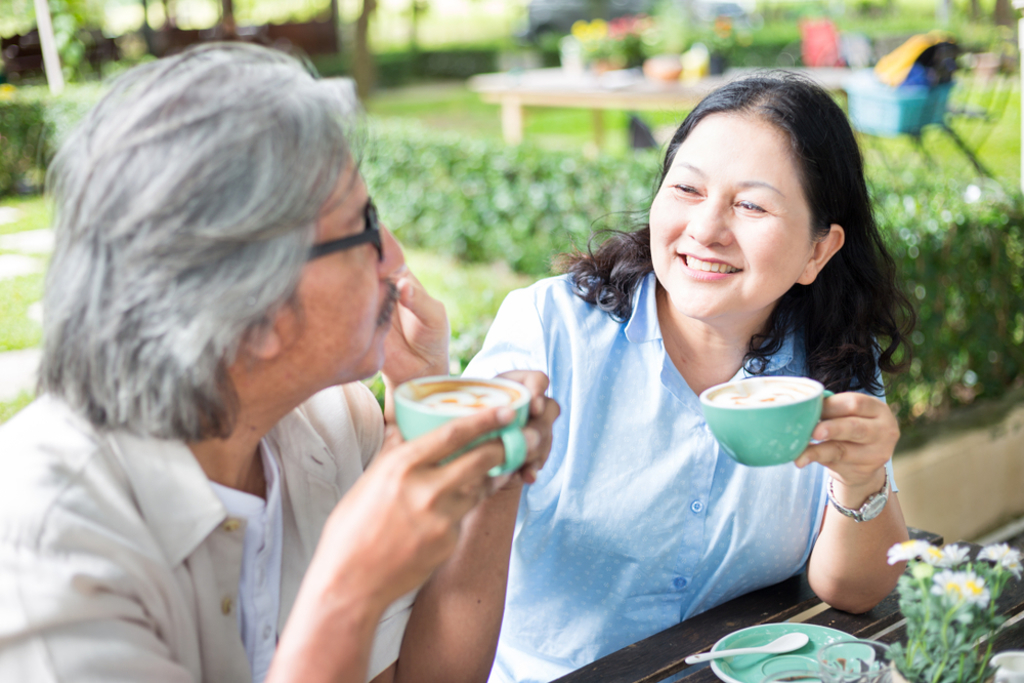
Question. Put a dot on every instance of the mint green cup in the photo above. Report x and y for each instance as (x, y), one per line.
(766, 434)
(416, 418)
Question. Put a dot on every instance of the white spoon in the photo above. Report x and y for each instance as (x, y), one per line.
(787, 643)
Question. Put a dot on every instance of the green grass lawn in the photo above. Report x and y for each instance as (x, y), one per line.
(35, 214)
(17, 294)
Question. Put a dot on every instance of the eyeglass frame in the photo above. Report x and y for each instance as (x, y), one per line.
(370, 234)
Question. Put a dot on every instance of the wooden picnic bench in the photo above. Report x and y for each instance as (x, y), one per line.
(661, 655)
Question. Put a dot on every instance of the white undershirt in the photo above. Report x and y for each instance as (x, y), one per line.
(259, 587)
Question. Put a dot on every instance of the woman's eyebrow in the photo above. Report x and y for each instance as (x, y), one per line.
(691, 167)
(761, 183)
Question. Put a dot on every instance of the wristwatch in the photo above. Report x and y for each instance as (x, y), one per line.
(871, 508)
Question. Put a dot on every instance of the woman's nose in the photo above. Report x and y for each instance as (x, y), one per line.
(709, 224)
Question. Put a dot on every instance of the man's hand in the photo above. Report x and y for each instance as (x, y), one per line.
(401, 519)
(417, 344)
(393, 528)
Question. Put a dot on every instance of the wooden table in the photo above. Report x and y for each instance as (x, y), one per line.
(661, 655)
(624, 90)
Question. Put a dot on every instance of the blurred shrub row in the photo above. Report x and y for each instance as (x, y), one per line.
(397, 68)
(32, 124)
(959, 246)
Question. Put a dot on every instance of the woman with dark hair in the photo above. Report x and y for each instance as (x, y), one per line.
(760, 257)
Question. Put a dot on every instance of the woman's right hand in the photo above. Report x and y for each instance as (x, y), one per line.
(401, 519)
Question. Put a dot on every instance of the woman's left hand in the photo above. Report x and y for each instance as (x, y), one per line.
(858, 435)
(417, 344)
(543, 412)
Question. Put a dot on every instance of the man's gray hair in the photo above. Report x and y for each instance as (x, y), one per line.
(185, 204)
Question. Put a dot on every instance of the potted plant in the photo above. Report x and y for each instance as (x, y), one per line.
(612, 45)
(949, 602)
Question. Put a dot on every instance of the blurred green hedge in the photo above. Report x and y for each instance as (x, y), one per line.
(482, 200)
(32, 125)
(959, 246)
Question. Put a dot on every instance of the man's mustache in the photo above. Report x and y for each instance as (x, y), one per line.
(387, 308)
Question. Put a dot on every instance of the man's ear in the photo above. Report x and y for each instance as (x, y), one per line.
(268, 342)
(824, 249)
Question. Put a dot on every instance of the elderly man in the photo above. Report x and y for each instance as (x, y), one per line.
(203, 491)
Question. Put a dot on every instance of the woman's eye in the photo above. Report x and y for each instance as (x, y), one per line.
(686, 189)
(750, 206)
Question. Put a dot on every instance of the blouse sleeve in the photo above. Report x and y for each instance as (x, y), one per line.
(516, 340)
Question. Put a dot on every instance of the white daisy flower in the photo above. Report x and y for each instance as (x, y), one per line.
(933, 556)
(906, 551)
(953, 556)
(960, 587)
(1003, 555)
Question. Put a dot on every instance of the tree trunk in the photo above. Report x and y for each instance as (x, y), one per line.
(975, 10)
(362, 60)
(1004, 13)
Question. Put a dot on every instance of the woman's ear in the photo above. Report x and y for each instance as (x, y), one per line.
(824, 249)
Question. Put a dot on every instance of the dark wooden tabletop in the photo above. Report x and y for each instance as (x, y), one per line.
(661, 656)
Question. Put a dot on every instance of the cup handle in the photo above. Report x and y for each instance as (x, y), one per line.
(515, 451)
(827, 394)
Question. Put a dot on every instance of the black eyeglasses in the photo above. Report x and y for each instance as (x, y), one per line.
(371, 234)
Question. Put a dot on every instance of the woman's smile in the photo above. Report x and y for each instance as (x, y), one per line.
(704, 269)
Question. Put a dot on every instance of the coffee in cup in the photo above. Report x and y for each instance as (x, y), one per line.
(463, 397)
(422, 405)
(764, 421)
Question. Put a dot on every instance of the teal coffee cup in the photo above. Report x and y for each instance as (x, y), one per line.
(763, 421)
(422, 405)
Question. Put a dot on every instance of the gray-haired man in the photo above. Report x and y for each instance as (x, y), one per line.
(192, 496)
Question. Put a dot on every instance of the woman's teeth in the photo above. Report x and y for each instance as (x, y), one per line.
(708, 267)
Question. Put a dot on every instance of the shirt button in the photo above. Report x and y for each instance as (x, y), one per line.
(679, 583)
(696, 506)
(225, 605)
(232, 524)
(267, 632)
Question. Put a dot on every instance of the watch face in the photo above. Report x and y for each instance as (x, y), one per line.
(873, 507)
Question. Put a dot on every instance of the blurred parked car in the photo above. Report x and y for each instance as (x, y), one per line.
(557, 16)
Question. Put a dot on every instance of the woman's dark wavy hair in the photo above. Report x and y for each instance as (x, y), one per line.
(854, 316)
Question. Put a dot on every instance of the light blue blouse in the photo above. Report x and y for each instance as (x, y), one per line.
(637, 521)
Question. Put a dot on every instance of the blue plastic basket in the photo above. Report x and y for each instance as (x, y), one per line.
(879, 109)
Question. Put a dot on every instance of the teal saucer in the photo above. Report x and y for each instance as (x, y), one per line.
(754, 668)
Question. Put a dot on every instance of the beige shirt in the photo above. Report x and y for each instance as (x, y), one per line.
(118, 561)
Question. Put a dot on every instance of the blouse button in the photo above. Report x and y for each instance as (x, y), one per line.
(267, 632)
(679, 583)
(225, 605)
(232, 524)
(696, 506)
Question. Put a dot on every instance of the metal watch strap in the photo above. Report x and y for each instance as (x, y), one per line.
(871, 508)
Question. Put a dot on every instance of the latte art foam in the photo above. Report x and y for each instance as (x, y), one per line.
(464, 398)
(762, 393)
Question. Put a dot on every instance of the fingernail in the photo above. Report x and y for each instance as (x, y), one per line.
(532, 438)
(821, 433)
(538, 405)
(506, 415)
